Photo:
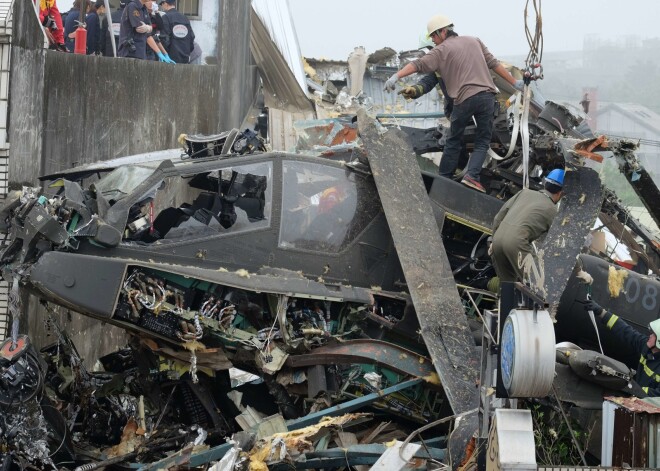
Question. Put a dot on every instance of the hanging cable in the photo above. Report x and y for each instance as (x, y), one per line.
(533, 71)
(535, 39)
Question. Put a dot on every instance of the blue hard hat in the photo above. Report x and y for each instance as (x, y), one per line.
(556, 177)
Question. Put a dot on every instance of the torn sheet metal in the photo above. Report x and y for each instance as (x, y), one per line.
(279, 445)
(429, 277)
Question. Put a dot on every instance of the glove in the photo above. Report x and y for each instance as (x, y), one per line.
(519, 85)
(165, 58)
(591, 305)
(144, 28)
(408, 93)
(390, 85)
(585, 277)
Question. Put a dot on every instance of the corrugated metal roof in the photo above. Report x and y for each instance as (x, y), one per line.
(635, 404)
(384, 102)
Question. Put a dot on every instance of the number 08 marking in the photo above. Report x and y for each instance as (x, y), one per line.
(634, 291)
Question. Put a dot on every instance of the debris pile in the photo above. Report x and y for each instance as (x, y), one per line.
(312, 312)
(141, 405)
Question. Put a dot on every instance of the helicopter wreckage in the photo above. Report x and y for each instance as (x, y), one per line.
(294, 302)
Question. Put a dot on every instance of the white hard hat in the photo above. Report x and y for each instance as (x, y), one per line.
(655, 328)
(438, 22)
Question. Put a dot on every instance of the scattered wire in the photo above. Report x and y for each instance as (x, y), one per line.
(431, 425)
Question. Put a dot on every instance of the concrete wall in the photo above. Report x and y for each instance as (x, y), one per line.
(67, 109)
(233, 54)
(26, 80)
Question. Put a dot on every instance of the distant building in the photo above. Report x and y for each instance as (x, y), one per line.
(635, 122)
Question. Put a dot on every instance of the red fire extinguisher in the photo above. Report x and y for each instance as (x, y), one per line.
(80, 45)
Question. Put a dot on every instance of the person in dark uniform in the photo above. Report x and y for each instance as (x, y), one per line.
(648, 347)
(155, 49)
(106, 43)
(177, 36)
(135, 27)
(93, 22)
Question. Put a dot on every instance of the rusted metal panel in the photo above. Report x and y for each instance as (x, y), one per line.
(623, 440)
(392, 356)
(634, 404)
(640, 433)
(635, 432)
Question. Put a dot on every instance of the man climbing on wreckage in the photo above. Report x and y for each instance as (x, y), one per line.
(524, 218)
(425, 85)
(648, 347)
(464, 63)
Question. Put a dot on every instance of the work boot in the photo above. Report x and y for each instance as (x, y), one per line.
(472, 183)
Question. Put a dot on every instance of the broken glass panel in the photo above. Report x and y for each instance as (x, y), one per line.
(222, 201)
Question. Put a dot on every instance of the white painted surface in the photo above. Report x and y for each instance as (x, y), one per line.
(391, 459)
(528, 356)
(511, 442)
(277, 19)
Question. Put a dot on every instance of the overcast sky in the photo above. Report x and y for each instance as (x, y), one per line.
(332, 29)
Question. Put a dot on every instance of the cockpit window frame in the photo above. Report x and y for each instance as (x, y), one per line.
(259, 168)
(359, 199)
